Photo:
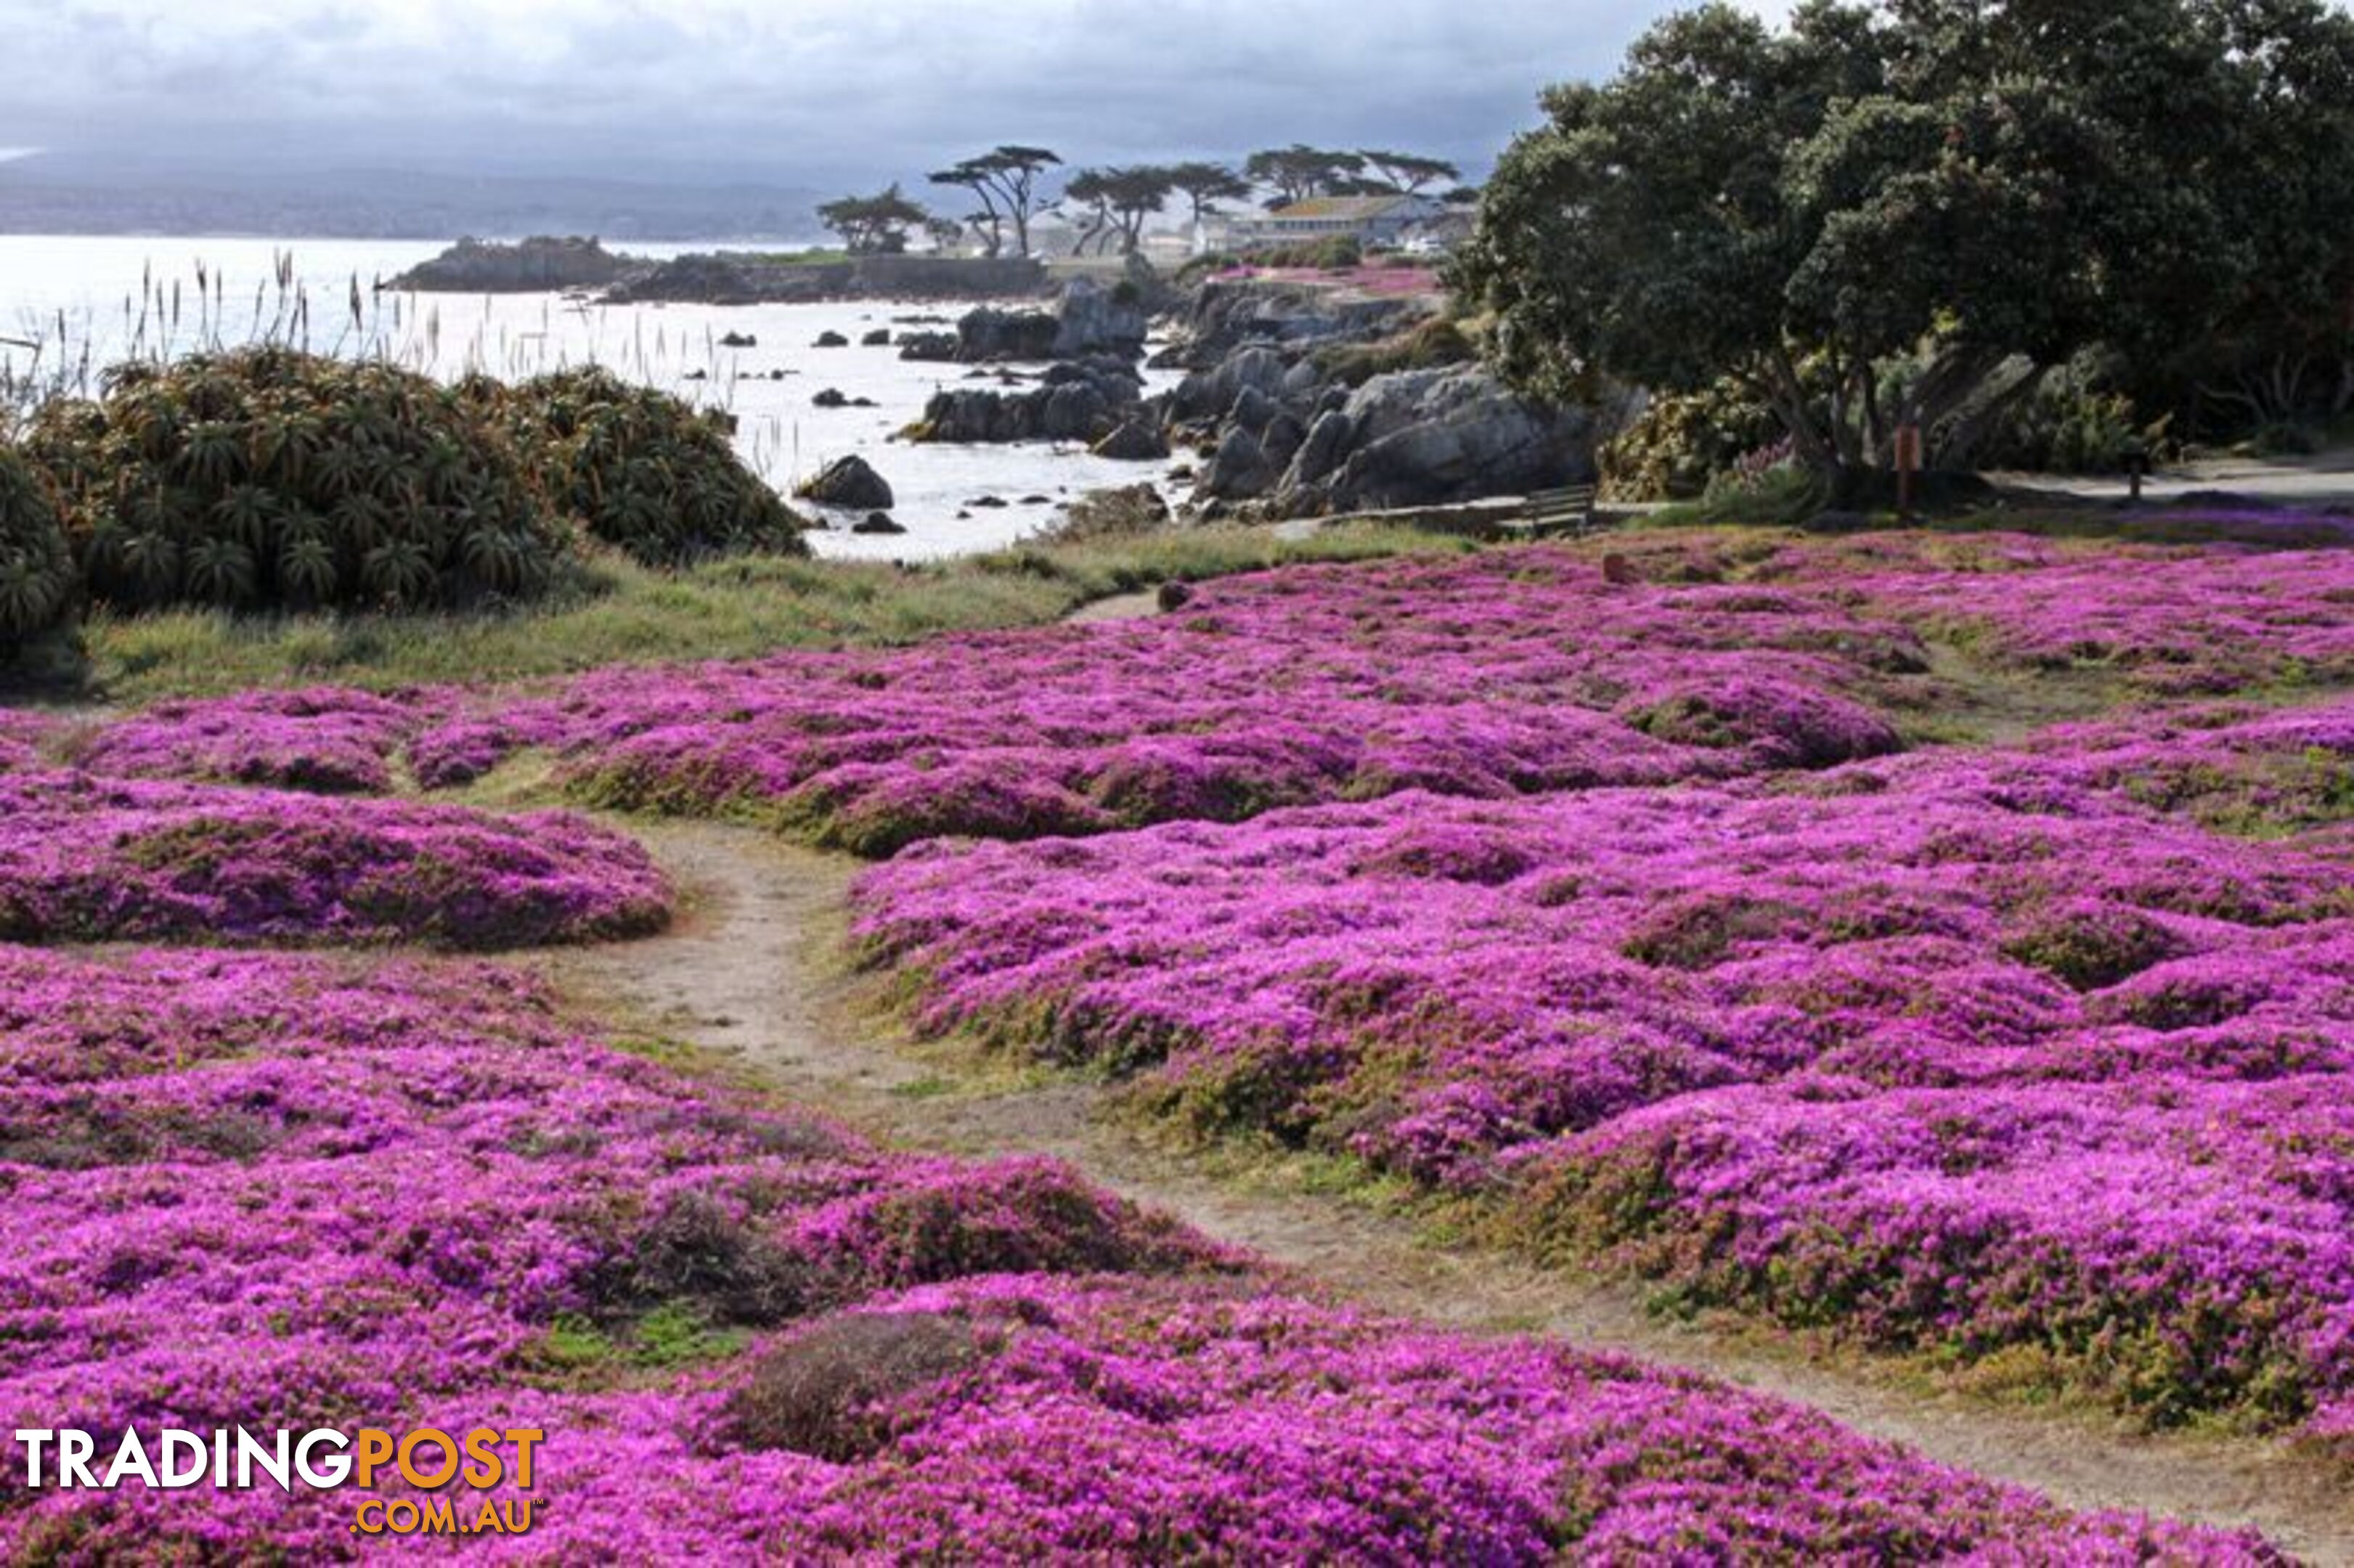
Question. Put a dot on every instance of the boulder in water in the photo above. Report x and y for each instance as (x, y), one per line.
(850, 483)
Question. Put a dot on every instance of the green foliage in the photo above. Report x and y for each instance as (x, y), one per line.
(1204, 186)
(37, 571)
(1681, 440)
(1934, 203)
(1298, 172)
(2075, 424)
(1407, 173)
(645, 472)
(1196, 268)
(1784, 498)
(1004, 181)
(874, 225)
(1333, 253)
(269, 477)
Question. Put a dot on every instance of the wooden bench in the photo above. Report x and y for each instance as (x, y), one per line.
(1550, 514)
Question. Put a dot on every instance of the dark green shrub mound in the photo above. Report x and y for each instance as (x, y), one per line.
(268, 477)
(36, 573)
(647, 472)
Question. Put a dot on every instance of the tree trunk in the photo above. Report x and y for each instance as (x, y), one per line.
(1966, 435)
(1787, 398)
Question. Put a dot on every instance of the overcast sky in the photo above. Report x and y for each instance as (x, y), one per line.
(799, 92)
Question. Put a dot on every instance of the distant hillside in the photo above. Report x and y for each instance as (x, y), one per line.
(49, 195)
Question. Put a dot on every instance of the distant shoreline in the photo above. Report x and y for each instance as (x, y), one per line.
(545, 263)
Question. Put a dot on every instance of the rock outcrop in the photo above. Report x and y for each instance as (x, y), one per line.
(745, 279)
(988, 334)
(1091, 319)
(1087, 319)
(1426, 438)
(1285, 433)
(541, 264)
(1123, 511)
(1137, 440)
(937, 347)
(849, 483)
(1083, 400)
(1226, 316)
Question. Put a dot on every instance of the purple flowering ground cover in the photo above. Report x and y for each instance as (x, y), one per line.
(90, 859)
(1962, 1051)
(1516, 672)
(1507, 672)
(1606, 895)
(300, 1191)
(323, 739)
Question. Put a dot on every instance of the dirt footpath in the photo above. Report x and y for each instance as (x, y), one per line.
(754, 970)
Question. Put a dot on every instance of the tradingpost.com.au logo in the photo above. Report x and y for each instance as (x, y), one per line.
(429, 1459)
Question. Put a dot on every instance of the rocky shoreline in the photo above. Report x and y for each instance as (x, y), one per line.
(718, 277)
(1300, 398)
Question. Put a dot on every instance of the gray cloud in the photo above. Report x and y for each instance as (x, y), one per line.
(825, 92)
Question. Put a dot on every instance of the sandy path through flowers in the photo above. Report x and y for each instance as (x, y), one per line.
(753, 969)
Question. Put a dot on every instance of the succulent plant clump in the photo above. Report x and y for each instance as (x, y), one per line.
(36, 572)
(648, 473)
(264, 477)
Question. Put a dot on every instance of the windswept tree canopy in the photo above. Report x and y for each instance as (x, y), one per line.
(1113, 204)
(1407, 173)
(876, 223)
(1005, 182)
(1204, 185)
(1977, 188)
(1299, 173)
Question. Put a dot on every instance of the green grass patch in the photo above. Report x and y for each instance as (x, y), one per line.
(578, 1353)
(616, 612)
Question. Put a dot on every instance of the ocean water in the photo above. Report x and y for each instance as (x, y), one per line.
(303, 290)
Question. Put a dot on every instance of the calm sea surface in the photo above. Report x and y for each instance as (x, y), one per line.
(303, 290)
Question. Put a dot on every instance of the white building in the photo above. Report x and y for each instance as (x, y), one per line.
(1377, 220)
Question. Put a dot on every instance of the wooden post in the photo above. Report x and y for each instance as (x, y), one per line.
(1908, 463)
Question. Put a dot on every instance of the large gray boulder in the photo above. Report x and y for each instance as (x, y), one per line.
(1240, 470)
(848, 482)
(1137, 440)
(1092, 319)
(1425, 438)
(1085, 401)
(1211, 394)
(1253, 411)
(987, 334)
(1326, 448)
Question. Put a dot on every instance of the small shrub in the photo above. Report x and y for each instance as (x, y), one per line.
(1679, 443)
(1426, 345)
(1700, 931)
(825, 1391)
(2093, 945)
(693, 1249)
